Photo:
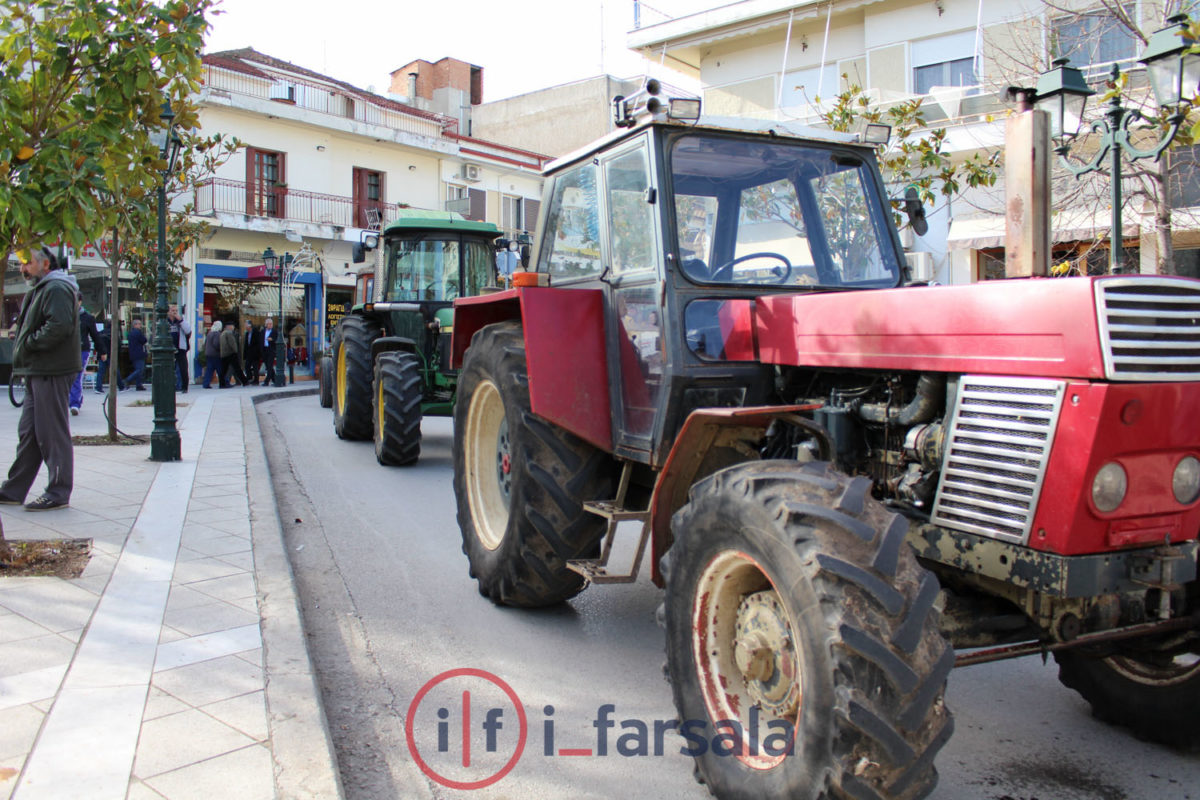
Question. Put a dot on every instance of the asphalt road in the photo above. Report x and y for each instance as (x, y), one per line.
(397, 626)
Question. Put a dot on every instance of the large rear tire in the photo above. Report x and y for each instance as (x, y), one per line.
(1156, 695)
(795, 608)
(326, 383)
(353, 375)
(398, 392)
(520, 481)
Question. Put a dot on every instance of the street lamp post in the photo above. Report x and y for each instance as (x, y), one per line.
(164, 439)
(277, 266)
(1061, 91)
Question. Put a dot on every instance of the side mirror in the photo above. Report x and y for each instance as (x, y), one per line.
(358, 253)
(526, 252)
(915, 209)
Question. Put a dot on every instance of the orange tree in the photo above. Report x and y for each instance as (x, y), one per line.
(82, 83)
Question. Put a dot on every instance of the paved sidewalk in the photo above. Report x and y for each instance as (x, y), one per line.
(175, 666)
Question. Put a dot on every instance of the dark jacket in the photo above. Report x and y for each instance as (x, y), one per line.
(104, 341)
(137, 344)
(89, 337)
(48, 328)
(252, 344)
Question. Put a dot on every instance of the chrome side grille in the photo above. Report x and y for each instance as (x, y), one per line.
(996, 455)
(1149, 328)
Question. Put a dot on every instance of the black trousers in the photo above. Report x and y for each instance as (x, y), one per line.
(44, 435)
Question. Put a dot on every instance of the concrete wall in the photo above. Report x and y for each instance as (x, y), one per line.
(554, 121)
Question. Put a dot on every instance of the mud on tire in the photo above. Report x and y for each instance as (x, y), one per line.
(353, 373)
(791, 591)
(398, 392)
(520, 481)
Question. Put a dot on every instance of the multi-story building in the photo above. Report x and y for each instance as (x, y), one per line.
(783, 58)
(324, 161)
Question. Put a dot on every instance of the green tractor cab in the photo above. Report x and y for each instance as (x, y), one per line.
(390, 358)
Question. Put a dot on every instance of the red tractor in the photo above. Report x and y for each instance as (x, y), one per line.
(840, 477)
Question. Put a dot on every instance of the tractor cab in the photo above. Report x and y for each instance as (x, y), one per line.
(680, 227)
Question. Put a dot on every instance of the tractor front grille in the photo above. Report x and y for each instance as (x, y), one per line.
(996, 454)
(1149, 328)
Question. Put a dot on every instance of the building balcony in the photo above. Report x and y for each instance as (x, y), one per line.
(222, 196)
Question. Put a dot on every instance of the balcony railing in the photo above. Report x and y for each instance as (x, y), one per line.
(336, 101)
(459, 205)
(282, 203)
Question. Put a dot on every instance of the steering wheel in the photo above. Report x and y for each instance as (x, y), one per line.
(725, 271)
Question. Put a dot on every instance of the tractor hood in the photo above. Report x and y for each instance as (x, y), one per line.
(1118, 327)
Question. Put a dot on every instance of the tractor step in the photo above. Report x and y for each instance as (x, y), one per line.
(609, 509)
(596, 569)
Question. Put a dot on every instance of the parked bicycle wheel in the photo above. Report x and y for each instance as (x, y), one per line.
(16, 390)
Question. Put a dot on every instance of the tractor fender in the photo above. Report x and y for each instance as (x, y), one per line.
(387, 344)
(712, 439)
(566, 353)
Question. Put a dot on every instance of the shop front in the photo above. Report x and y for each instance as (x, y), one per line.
(234, 295)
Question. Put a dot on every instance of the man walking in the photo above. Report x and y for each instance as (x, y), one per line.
(89, 340)
(268, 340)
(231, 356)
(137, 354)
(181, 337)
(212, 357)
(45, 351)
(110, 348)
(253, 351)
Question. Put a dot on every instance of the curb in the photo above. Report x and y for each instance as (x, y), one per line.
(301, 747)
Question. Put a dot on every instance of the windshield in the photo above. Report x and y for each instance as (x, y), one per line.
(781, 214)
(428, 268)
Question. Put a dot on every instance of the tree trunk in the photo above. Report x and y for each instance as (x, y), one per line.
(1162, 219)
(5, 552)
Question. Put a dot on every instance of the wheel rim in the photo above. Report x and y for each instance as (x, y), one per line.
(488, 465)
(339, 393)
(746, 655)
(1167, 671)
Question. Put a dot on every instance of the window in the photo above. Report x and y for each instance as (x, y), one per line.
(571, 249)
(458, 200)
(368, 198)
(266, 185)
(947, 60)
(429, 268)
(631, 217)
(960, 72)
(779, 215)
(510, 213)
(1096, 38)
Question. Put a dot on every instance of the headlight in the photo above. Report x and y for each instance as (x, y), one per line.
(1108, 489)
(1186, 482)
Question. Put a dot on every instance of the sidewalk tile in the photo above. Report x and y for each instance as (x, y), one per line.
(141, 791)
(209, 646)
(20, 728)
(10, 768)
(243, 561)
(246, 774)
(229, 589)
(210, 681)
(254, 656)
(14, 627)
(219, 616)
(31, 687)
(161, 704)
(29, 655)
(52, 603)
(219, 546)
(202, 569)
(186, 597)
(246, 713)
(179, 740)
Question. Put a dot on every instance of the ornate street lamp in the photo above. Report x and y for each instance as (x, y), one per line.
(164, 439)
(275, 267)
(1174, 75)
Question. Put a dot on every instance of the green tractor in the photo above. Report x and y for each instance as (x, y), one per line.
(390, 362)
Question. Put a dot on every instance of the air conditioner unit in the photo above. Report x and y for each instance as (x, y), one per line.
(921, 266)
(470, 172)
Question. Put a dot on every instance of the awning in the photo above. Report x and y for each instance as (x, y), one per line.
(1071, 225)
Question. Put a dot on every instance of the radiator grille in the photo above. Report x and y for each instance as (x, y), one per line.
(1149, 328)
(996, 453)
